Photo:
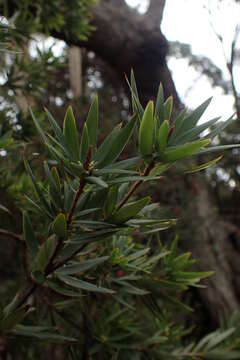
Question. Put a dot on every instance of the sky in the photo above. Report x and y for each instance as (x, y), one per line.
(190, 22)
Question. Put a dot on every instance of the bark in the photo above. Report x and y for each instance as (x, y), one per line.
(125, 39)
(75, 70)
(212, 241)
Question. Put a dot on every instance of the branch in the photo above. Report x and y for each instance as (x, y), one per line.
(155, 11)
(134, 187)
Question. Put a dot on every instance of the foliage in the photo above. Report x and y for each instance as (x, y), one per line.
(26, 18)
(100, 278)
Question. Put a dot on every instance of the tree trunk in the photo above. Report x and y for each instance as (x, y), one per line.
(75, 70)
(209, 237)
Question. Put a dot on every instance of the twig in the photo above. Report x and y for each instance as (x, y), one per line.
(76, 198)
(27, 293)
(135, 185)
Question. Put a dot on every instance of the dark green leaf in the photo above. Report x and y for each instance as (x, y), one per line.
(29, 236)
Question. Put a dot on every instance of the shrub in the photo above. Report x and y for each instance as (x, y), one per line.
(99, 278)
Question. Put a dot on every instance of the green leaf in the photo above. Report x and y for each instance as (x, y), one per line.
(107, 143)
(218, 148)
(146, 130)
(220, 127)
(29, 236)
(178, 122)
(62, 290)
(110, 202)
(92, 123)
(59, 226)
(222, 355)
(182, 151)
(76, 268)
(54, 185)
(38, 127)
(59, 134)
(10, 321)
(203, 166)
(84, 285)
(218, 339)
(40, 333)
(128, 211)
(162, 136)
(117, 143)
(70, 133)
(3, 208)
(84, 143)
(42, 200)
(168, 105)
(92, 236)
(8, 309)
(137, 107)
(43, 257)
(97, 181)
(192, 134)
(191, 120)
(159, 110)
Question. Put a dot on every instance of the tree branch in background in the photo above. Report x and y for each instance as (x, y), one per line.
(155, 11)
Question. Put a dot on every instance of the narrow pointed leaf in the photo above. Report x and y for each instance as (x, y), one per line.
(54, 187)
(146, 131)
(59, 226)
(82, 266)
(70, 132)
(182, 151)
(107, 143)
(42, 199)
(29, 236)
(38, 127)
(59, 134)
(168, 105)
(193, 133)
(192, 119)
(84, 143)
(162, 136)
(92, 124)
(128, 211)
(118, 143)
(159, 110)
(43, 256)
(97, 181)
(84, 285)
(203, 166)
(110, 202)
